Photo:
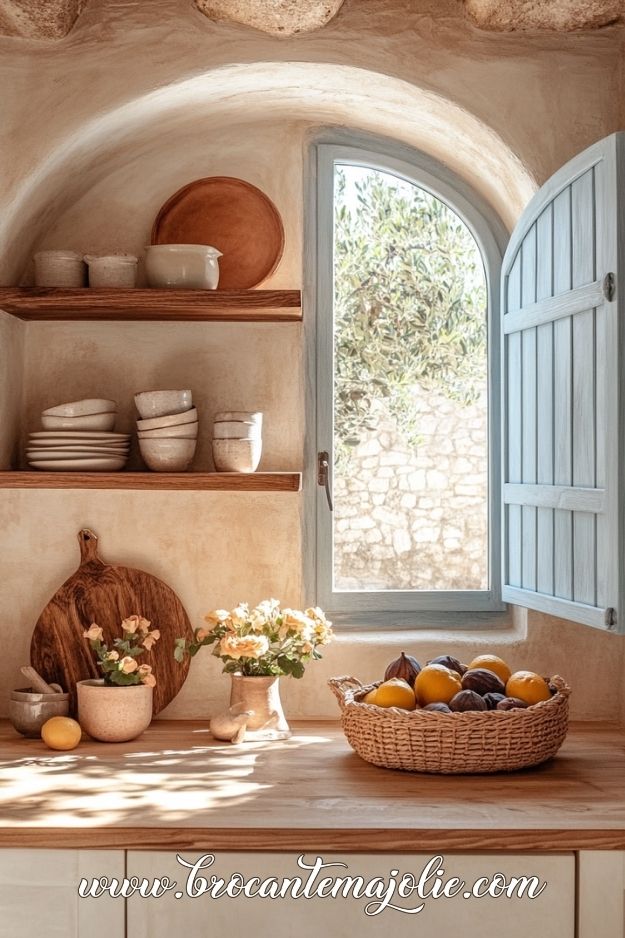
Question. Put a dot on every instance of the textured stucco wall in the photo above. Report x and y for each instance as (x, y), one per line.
(102, 126)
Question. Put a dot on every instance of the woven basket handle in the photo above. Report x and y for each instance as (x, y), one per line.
(340, 685)
(560, 685)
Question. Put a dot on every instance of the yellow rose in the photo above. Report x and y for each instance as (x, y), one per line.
(128, 665)
(298, 622)
(144, 669)
(216, 617)
(112, 655)
(93, 633)
(149, 679)
(150, 639)
(258, 620)
(131, 624)
(240, 615)
(244, 646)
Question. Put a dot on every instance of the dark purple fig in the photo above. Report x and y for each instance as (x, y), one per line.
(466, 700)
(437, 708)
(448, 662)
(491, 700)
(482, 682)
(405, 667)
(511, 703)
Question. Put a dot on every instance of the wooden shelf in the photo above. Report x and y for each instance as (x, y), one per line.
(38, 303)
(156, 481)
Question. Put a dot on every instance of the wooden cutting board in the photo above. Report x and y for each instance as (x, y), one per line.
(107, 593)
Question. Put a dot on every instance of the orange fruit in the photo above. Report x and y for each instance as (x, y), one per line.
(370, 697)
(528, 686)
(492, 663)
(436, 684)
(395, 693)
(61, 733)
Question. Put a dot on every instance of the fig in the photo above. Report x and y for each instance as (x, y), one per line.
(405, 667)
(466, 700)
(511, 703)
(448, 662)
(438, 707)
(492, 699)
(482, 682)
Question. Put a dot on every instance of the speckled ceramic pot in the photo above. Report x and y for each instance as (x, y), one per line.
(114, 714)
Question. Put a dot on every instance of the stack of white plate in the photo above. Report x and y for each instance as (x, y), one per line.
(237, 441)
(79, 437)
(168, 429)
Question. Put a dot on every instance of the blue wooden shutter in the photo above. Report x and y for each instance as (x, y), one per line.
(562, 384)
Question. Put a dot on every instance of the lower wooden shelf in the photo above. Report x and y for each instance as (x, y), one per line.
(156, 481)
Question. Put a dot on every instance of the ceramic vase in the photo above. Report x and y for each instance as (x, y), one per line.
(114, 714)
(261, 697)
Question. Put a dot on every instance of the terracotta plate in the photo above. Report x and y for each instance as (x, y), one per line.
(231, 215)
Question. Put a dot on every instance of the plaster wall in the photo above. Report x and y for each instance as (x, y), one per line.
(101, 128)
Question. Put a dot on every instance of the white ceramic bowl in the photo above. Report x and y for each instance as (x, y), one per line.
(249, 416)
(185, 266)
(59, 269)
(112, 270)
(236, 430)
(163, 403)
(173, 420)
(167, 455)
(91, 405)
(236, 455)
(186, 431)
(85, 422)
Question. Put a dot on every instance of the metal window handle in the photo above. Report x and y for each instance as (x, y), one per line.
(323, 475)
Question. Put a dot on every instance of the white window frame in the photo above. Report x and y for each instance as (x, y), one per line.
(398, 607)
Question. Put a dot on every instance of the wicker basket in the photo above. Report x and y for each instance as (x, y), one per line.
(452, 743)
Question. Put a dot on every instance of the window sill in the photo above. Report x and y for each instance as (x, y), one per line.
(506, 627)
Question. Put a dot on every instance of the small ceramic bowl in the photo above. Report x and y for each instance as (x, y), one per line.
(186, 266)
(236, 455)
(184, 431)
(249, 416)
(167, 455)
(83, 408)
(28, 711)
(174, 420)
(163, 403)
(85, 422)
(236, 430)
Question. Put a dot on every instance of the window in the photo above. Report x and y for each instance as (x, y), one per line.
(406, 300)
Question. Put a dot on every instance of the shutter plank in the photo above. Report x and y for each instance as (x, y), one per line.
(562, 242)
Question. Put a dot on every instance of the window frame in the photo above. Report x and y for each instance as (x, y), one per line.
(394, 607)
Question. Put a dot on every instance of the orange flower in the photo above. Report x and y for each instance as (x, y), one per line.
(135, 624)
(150, 639)
(93, 633)
(128, 665)
(149, 679)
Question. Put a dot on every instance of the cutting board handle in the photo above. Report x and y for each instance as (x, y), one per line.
(88, 541)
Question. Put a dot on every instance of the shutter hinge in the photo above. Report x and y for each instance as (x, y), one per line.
(323, 475)
(610, 618)
(609, 287)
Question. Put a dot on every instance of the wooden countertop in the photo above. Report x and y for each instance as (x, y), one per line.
(175, 788)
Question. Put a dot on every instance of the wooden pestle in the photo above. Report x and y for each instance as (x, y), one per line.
(37, 682)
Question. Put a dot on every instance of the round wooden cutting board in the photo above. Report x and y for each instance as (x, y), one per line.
(231, 215)
(107, 593)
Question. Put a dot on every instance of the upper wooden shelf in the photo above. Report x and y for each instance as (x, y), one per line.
(38, 303)
(167, 481)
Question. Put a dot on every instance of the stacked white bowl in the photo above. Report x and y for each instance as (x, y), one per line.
(237, 440)
(78, 437)
(168, 429)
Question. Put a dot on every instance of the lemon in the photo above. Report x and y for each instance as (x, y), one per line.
(528, 686)
(370, 697)
(61, 733)
(436, 684)
(492, 663)
(395, 693)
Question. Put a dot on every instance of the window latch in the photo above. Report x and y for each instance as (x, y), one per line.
(323, 475)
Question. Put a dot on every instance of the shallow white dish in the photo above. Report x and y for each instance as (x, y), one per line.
(86, 422)
(236, 430)
(74, 453)
(163, 403)
(251, 416)
(79, 435)
(185, 266)
(92, 464)
(88, 406)
(186, 431)
(237, 455)
(167, 455)
(173, 420)
(87, 445)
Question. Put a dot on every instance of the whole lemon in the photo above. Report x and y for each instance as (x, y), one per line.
(395, 693)
(492, 663)
(61, 733)
(436, 684)
(528, 686)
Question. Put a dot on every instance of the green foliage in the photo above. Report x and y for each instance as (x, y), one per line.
(410, 304)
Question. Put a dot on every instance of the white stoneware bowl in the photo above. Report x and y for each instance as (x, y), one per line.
(236, 430)
(59, 269)
(85, 422)
(167, 455)
(185, 431)
(163, 403)
(248, 416)
(173, 420)
(113, 270)
(236, 455)
(86, 407)
(182, 266)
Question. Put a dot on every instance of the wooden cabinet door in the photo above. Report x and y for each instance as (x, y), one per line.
(552, 912)
(39, 894)
(601, 897)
